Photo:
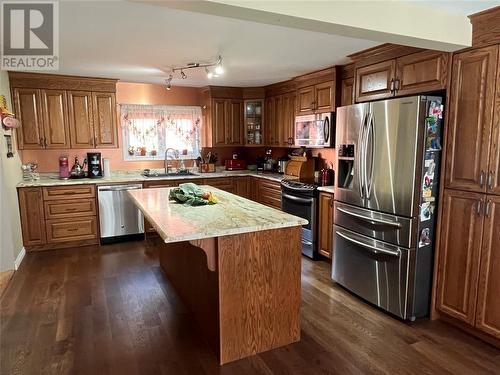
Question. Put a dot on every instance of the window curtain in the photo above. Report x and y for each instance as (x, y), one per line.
(158, 127)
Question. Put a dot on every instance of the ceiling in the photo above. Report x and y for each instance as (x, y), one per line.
(137, 42)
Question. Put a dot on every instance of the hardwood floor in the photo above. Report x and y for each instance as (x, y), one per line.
(109, 310)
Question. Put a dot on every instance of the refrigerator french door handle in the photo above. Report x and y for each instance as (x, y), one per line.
(360, 157)
(370, 219)
(371, 248)
(369, 177)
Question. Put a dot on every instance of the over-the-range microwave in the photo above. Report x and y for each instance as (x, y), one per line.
(315, 131)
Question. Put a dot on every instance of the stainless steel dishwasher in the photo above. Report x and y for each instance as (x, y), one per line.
(119, 218)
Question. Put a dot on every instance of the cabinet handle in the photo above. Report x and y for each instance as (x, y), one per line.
(488, 206)
(479, 205)
(331, 202)
(45, 142)
(481, 179)
(396, 84)
(490, 179)
(95, 141)
(40, 142)
(391, 85)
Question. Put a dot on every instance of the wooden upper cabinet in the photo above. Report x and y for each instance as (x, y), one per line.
(459, 255)
(324, 100)
(421, 72)
(28, 109)
(488, 301)
(80, 119)
(219, 114)
(274, 118)
(55, 114)
(494, 163)
(347, 92)
(305, 100)
(288, 123)
(374, 81)
(325, 224)
(32, 216)
(470, 119)
(104, 108)
(234, 124)
(316, 98)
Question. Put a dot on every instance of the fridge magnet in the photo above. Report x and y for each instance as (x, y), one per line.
(436, 110)
(433, 141)
(430, 167)
(425, 211)
(425, 237)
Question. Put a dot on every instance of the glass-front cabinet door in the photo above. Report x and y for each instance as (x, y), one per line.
(254, 118)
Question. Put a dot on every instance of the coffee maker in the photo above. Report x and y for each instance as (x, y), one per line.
(94, 164)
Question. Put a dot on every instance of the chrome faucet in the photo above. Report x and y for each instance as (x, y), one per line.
(165, 161)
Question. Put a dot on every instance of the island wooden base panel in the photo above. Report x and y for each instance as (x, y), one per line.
(251, 302)
(110, 311)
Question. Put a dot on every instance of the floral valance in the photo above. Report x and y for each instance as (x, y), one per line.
(148, 130)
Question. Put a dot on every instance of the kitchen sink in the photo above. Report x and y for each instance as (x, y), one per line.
(170, 174)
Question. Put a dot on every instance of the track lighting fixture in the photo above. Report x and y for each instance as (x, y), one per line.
(216, 72)
(168, 82)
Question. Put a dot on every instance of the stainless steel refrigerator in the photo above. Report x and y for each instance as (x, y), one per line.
(386, 192)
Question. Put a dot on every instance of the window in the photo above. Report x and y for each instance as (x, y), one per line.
(149, 130)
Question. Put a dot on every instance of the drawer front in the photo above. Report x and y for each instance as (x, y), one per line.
(168, 183)
(64, 230)
(220, 183)
(65, 209)
(270, 196)
(68, 192)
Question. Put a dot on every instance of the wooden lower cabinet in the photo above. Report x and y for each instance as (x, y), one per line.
(32, 216)
(459, 255)
(58, 217)
(488, 299)
(325, 224)
(223, 183)
(76, 229)
(242, 185)
(268, 192)
(468, 277)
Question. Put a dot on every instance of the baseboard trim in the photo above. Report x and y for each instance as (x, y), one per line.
(19, 259)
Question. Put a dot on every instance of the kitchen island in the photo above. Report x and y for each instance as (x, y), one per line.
(235, 264)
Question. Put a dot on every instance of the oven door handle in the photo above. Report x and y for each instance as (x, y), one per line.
(297, 199)
(370, 219)
(371, 248)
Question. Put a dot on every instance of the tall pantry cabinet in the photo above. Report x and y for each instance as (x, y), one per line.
(468, 271)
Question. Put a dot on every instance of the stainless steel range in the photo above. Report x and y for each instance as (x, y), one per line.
(300, 199)
(386, 193)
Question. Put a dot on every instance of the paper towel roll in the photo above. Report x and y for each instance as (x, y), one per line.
(106, 171)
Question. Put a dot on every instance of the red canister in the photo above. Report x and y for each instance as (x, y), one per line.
(63, 167)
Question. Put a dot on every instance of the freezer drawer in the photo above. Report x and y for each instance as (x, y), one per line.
(118, 215)
(396, 230)
(376, 271)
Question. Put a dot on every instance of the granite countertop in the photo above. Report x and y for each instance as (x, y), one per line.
(52, 179)
(327, 189)
(233, 214)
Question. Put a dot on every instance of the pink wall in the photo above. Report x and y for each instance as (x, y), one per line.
(140, 93)
(129, 93)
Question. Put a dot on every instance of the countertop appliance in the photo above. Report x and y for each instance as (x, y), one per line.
(300, 199)
(119, 217)
(235, 164)
(386, 193)
(315, 131)
(282, 164)
(94, 164)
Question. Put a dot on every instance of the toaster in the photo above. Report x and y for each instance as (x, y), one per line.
(235, 164)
